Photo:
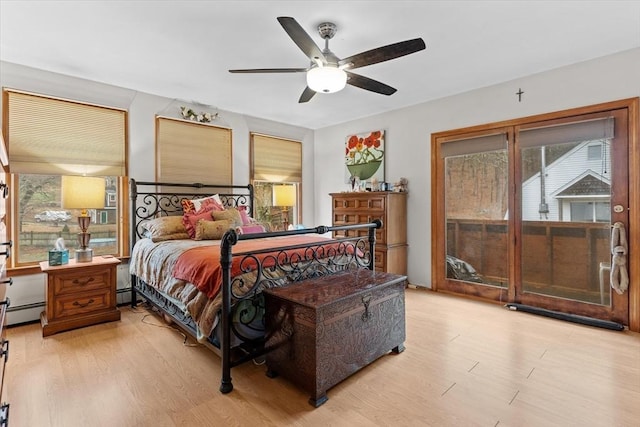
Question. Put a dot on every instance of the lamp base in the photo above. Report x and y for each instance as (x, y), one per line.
(84, 255)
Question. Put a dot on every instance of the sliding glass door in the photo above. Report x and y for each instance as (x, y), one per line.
(526, 212)
(476, 180)
(572, 175)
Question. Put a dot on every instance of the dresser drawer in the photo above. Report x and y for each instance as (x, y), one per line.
(360, 219)
(345, 218)
(74, 281)
(364, 201)
(82, 303)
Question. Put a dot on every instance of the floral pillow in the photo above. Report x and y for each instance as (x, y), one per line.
(211, 230)
(197, 209)
(205, 204)
(165, 228)
(230, 214)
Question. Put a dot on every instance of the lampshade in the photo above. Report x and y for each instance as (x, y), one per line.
(326, 79)
(83, 192)
(284, 195)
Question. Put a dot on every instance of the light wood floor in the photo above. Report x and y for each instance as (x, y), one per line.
(467, 363)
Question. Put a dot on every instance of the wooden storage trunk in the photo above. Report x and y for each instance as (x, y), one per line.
(322, 330)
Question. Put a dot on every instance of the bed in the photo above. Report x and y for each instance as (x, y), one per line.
(208, 276)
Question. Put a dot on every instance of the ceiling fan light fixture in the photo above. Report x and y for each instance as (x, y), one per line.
(326, 79)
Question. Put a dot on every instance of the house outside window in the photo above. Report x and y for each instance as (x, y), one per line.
(594, 152)
(590, 211)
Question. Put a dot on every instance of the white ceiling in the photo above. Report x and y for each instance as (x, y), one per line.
(183, 49)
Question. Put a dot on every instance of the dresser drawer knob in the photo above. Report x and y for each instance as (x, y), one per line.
(78, 304)
(345, 204)
(82, 282)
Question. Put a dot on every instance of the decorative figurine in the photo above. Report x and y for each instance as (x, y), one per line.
(401, 185)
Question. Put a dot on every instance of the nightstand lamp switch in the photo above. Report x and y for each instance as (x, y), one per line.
(84, 193)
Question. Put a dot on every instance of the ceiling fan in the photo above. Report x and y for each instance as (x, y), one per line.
(327, 73)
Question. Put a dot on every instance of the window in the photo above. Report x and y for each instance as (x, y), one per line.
(189, 152)
(590, 211)
(274, 162)
(46, 139)
(594, 152)
(557, 223)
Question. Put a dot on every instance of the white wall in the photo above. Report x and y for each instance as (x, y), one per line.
(409, 131)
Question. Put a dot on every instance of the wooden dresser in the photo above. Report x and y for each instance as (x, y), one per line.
(391, 239)
(322, 330)
(79, 294)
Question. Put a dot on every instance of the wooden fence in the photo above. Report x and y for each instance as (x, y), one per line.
(47, 239)
(557, 254)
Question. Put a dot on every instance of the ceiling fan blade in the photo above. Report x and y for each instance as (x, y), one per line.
(369, 84)
(271, 70)
(383, 53)
(301, 38)
(307, 94)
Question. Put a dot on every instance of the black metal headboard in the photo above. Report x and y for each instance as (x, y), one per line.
(150, 200)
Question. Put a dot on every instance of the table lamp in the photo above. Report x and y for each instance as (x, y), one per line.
(284, 196)
(83, 192)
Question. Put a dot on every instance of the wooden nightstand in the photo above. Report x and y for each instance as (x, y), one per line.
(79, 294)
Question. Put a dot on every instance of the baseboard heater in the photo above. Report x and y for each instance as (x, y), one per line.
(568, 317)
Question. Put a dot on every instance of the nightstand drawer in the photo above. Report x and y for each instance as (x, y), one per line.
(71, 305)
(73, 281)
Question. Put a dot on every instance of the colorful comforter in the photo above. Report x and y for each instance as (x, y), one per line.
(188, 272)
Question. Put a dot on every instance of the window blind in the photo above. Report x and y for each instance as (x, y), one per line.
(480, 144)
(60, 137)
(189, 152)
(276, 159)
(588, 130)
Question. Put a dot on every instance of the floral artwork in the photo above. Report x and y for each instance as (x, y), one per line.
(364, 156)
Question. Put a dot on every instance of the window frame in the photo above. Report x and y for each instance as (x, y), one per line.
(291, 173)
(12, 220)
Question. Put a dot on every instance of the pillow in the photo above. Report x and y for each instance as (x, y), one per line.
(249, 229)
(211, 230)
(206, 203)
(166, 228)
(189, 220)
(231, 214)
(246, 219)
(199, 209)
